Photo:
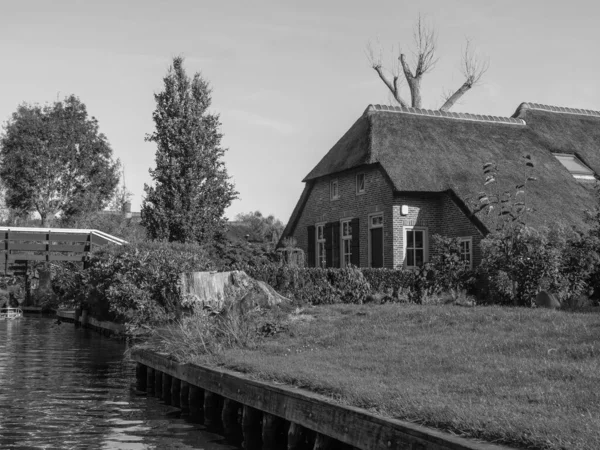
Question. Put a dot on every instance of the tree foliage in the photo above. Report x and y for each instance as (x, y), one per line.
(192, 188)
(55, 160)
(261, 228)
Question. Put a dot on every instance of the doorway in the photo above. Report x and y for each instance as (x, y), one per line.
(376, 240)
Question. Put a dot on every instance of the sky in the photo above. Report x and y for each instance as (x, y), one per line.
(288, 78)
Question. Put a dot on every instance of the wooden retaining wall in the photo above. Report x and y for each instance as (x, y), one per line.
(105, 327)
(268, 416)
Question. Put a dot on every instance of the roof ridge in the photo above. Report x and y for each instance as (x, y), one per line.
(558, 109)
(446, 114)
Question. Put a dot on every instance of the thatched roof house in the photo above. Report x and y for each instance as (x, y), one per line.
(421, 169)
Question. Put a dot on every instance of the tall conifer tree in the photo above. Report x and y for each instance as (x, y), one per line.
(192, 188)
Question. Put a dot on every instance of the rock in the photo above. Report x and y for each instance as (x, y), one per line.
(546, 299)
(215, 289)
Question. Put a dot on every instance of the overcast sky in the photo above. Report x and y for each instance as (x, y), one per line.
(288, 78)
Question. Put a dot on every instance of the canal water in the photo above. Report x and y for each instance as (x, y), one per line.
(63, 387)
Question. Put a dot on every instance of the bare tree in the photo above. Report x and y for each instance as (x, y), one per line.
(473, 67)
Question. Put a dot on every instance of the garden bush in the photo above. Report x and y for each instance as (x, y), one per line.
(135, 283)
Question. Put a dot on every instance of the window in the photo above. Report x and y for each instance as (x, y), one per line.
(466, 250)
(346, 243)
(334, 189)
(574, 165)
(377, 221)
(360, 183)
(321, 259)
(415, 247)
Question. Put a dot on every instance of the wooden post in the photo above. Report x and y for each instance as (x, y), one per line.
(77, 316)
(84, 317)
(196, 403)
(271, 426)
(150, 381)
(251, 431)
(212, 413)
(166, 389)
(231, 421)
(175, 391)
(295, 436)
(140, 377)
(322, 442)
(184, 396)
(158, 383)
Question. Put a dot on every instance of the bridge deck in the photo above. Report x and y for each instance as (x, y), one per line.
(19, 245)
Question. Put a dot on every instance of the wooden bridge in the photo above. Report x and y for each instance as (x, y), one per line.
(20, 245)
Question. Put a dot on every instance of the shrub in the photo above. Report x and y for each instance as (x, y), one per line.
(316, 286)
(135, 283)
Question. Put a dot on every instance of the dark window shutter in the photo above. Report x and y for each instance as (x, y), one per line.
(335, 228)
(311, 246)
(328, 245)
(355, 258)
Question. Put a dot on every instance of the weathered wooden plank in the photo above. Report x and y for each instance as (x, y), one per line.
(52, 257)
(26, 236)
(99, 240)
(346, 424)
(212, 411)
(69, 237)
(25, 257)
(79, 248)
(22, 246)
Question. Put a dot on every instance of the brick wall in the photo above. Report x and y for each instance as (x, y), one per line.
(377, 198)
(437, 212)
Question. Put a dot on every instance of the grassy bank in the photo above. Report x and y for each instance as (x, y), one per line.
(523, 377)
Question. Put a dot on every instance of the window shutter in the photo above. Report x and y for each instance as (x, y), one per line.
(335, 228)
(311, 246)
(355, 258)
(328, 245)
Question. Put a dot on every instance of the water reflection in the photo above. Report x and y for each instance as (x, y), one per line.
(67, 388)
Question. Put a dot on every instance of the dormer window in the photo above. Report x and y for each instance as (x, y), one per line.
(574, 165)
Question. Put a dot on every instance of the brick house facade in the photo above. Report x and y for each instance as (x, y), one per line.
(372, 202)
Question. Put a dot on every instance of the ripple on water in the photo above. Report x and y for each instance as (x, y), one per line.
(68, 388)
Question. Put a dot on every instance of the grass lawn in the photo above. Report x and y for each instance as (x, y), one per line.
(523, 377)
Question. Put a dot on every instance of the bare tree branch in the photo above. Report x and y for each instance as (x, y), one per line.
(473, 69)
(376, 64)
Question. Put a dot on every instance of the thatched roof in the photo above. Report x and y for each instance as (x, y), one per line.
(430, 151)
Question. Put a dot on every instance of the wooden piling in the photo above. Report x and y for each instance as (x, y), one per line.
(322, 442)
(184, 397)
(251, 429)
(212, 411)
(196, 404)
(230, 416)
(175, 392)
(158, 383)
(295, 436)
(271, 427)
(140, 377)
(166, 390)
(150, 381)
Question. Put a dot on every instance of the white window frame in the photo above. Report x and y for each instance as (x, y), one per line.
(468, 239)
(425, 231)
(580, 175)
(320, 259)
(334, 195)
(364, 184)
(343, 240)
(371, 226)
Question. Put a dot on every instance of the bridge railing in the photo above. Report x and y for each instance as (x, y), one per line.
(19, 245)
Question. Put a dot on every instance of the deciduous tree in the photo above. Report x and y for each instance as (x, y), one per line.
(55, 160)
(425, 57)
(192, 188)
